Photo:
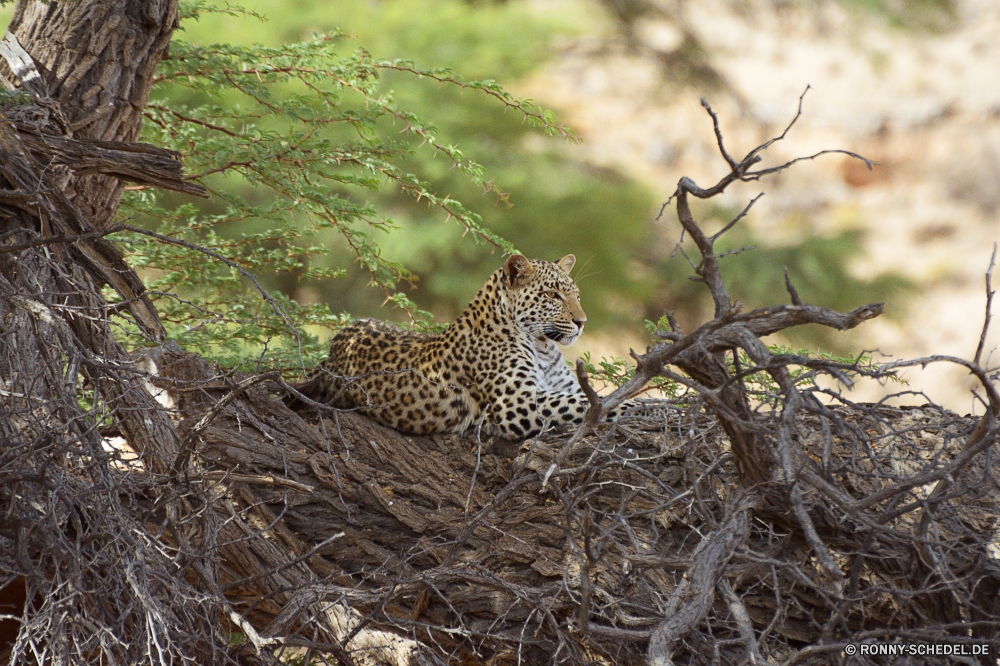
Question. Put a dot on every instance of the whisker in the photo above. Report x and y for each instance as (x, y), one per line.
(582, 274)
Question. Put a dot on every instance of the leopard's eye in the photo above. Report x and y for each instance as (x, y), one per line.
(558, 295)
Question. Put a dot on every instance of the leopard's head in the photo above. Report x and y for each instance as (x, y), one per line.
(544, 299)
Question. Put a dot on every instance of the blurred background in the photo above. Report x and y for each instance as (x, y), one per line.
(911, 84)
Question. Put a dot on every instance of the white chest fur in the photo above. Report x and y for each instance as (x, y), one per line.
(552, 373)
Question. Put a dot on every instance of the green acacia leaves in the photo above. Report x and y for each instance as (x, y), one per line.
(295, 144)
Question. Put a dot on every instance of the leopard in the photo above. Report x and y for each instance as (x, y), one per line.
(498, 369)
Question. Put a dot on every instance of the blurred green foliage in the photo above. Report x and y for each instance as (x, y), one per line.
(545, 203)
(337, 170)
(932, 15)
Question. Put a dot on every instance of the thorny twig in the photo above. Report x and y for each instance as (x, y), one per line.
(989, 302)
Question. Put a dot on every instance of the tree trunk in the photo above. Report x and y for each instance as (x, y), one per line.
(89, 82)
(94, 61)
(118, 565)
(97, 59)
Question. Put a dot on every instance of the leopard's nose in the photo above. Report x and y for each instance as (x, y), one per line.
(579, 323)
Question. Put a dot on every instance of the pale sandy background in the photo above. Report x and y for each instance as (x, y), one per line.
(924, 104)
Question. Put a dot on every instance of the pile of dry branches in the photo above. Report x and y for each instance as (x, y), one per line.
(757, 518)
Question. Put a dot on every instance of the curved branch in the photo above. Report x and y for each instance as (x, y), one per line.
(694, 596)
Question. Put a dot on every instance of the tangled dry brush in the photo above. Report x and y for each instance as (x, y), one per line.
(754, 519)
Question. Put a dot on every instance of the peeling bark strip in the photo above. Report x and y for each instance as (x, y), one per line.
(36, 164)
(49, 211)
(139, 163)
(21, 65)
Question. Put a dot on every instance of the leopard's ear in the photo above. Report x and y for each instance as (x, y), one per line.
(516, 269)
(566, 263)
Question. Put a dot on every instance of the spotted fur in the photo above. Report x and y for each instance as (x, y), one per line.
(500, 358)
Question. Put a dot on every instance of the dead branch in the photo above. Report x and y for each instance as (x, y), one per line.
(134, 162)
(989, 302)
(694, 595)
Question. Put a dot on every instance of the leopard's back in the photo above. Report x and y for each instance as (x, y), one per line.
(498, 366)
(398, 377)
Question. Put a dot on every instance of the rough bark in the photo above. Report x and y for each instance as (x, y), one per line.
(96, 61)
(88, 75)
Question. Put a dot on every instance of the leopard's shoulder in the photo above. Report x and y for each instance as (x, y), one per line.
(499, 365)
